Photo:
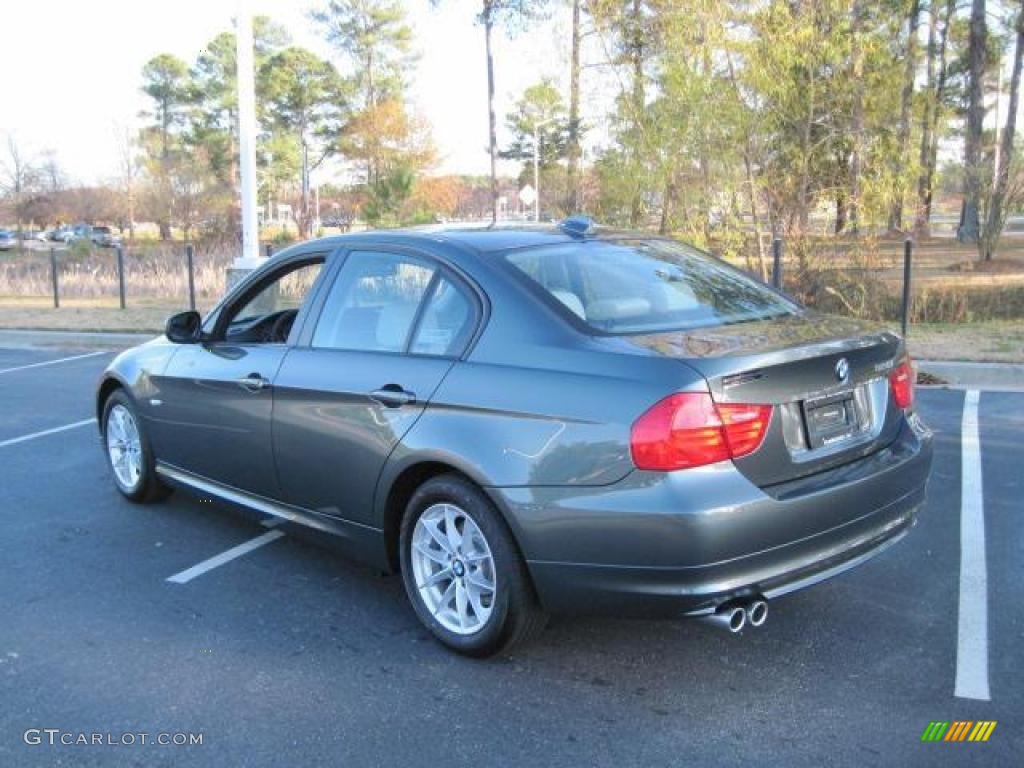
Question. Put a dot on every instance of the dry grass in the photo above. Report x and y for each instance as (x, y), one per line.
(936, 261)
(78, 314)
(994, 342)
(151, 272)
(995, 267)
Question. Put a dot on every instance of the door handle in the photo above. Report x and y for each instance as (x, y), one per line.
(253, 382)
(392, 396)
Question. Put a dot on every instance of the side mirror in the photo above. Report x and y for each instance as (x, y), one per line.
(184, 327)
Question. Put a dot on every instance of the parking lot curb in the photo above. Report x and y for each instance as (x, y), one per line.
(70, 339)
(967, 375)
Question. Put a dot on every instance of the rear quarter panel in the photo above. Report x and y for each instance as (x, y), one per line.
(564, 423)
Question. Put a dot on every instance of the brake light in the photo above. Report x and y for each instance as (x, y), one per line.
(689, 429)
(901, 380)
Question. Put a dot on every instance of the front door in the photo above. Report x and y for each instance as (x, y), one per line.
(214, 418)
(391, 327)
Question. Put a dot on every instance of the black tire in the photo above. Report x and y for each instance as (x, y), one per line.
(149, 488)
(516, 615)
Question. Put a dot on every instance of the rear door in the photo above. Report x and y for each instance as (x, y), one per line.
(391, 326)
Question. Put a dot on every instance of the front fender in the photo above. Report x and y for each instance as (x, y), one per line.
(134, 371)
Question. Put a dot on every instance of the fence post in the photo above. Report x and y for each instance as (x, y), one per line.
(120, 274)
(908, 248)
(53, 275)
(190, 258)
(777, 262)
(269, 249)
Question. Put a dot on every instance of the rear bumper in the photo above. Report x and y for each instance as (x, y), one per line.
(683, 543)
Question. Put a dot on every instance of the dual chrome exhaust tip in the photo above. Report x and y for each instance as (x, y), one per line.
(757, 612)
(735, 616)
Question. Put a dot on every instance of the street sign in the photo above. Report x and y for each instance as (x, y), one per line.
(527, 195)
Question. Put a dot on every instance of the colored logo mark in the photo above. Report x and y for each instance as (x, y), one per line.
(959, 730)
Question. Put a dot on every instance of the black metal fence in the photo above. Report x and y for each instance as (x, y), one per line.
(906, 304)
(133, 277)
(188, 263)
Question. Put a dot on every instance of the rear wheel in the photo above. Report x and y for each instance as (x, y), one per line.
(462, 571)
(128, 452)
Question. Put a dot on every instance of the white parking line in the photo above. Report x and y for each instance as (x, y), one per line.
(224, 557)
(45, 432)
(53, 362)
(972, 635)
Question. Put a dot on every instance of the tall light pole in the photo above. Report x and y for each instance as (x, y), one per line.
(536, 165)
(250, 257)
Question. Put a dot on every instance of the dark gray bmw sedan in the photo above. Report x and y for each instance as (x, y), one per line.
(527, 421)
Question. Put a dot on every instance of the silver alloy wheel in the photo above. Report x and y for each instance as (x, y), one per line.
(453, 569)
(124, 447)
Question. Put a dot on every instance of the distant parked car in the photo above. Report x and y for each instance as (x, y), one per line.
(104, 237)
(68, 235)
(33, 235)
(341, 222)
(7, 240)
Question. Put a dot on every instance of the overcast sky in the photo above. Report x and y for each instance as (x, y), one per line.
(70, 70)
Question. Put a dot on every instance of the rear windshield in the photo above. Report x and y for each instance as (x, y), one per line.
(646, 286)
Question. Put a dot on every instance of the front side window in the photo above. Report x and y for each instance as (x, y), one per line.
(646, 286)
(267, 316)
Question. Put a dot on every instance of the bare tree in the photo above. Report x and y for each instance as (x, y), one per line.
(906, 102)
(977, 60)
(128, 173)
(492, 124)
(930, 134)
(16, 174)
(500, 13)
(928, 107)
(573, 147)
(997, 204)
(856, 114)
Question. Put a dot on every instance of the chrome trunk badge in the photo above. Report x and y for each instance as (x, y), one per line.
(842, 370)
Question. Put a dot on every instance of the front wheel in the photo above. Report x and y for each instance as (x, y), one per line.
(128, 452)
(462, 571)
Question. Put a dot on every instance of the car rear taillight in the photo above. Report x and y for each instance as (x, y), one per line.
(901, 380)
(689, 429)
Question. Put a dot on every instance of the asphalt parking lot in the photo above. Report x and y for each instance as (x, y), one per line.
(290, 655)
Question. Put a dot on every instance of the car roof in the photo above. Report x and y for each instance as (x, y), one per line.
(482, 237)
(496, 237)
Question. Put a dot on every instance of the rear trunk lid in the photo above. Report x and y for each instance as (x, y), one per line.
(827, 378)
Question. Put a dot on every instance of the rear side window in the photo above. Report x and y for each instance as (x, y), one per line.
(373, 303)
(646, 286)
(447, 322)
